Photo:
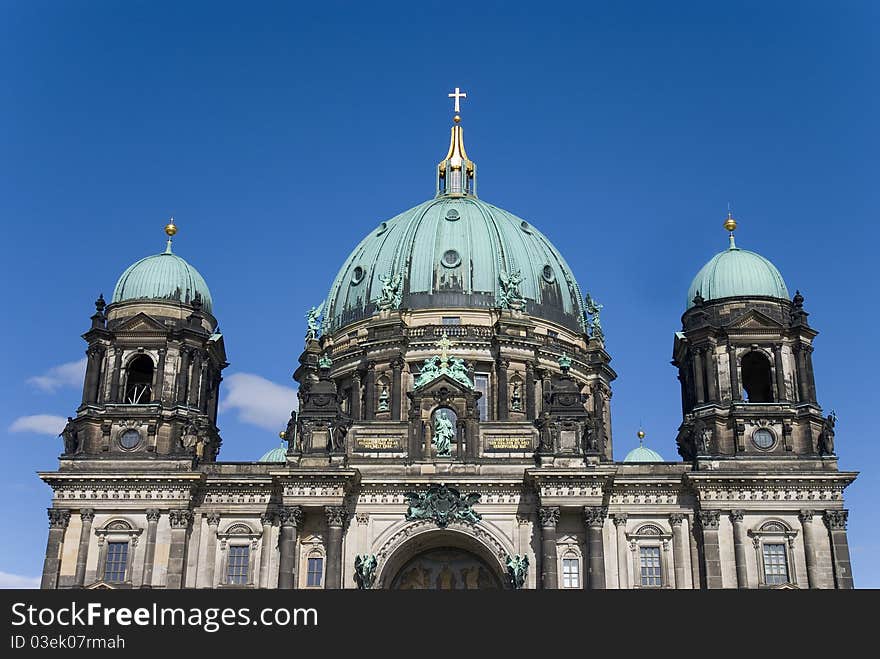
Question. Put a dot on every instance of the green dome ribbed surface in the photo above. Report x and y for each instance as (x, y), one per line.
(163, 276)
(734, 273)
(643, 454)
(451, 252)
(278, 454)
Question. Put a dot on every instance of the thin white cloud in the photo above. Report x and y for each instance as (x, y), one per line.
(41, 424)
(258, 401)
(70, 374)
(8, 580)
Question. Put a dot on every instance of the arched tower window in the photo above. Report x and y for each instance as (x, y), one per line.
(756, 377)
(139, 380)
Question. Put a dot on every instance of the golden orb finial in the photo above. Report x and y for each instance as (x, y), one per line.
(171, 228)
(730, 223)
(283, 434)
(456, 118)
(640, 434)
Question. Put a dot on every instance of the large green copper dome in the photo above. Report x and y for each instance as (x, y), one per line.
(453, 252)
(737, 273)
(163, 276)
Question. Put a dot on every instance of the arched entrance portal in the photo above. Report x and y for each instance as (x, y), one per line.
(446, 568)
(457, 557)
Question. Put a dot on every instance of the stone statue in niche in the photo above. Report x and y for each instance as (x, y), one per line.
(826, 437)
(365, 571)
(516, 397)
(444, 432)
(384, 406)
(517, 570)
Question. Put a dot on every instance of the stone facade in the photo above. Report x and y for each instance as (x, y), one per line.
(450, 444)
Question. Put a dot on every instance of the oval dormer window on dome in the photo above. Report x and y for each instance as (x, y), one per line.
(451, 258)
(452, 215)
(357, 276)
(548, 275)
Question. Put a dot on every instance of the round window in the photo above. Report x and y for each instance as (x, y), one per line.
(525, 226)
(129, 439)
(382, 228)
(357, 276)
(548, 275)
(452, 215)
(451, 258)
(763, 438)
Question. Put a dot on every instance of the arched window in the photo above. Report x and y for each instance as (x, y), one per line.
(650, 557)
(139, 380)
(571, 569)
(117, 540)
(315, 569)
(774, 549)
(238, 545)
(756, 378)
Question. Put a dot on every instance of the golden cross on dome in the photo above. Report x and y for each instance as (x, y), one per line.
(457, 95)
(444, 344)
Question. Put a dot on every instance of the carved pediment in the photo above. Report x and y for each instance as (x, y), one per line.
(141, 323)
(754, 320)
(444, 385)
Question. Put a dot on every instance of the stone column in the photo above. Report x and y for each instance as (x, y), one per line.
(501, 366)
(291, 519)
(180, 521)
(370, 393)
(114, 375)
(711, 377)
(195, 380)
(698, 376)
(711, 550)
(806, 518)
(549, 519)
(678, 549)
(86, 516)
(835, 520)
(735, 393)
(811, 380)
(159, 377)
(594, 517)
(335, 522)
(356, 396)
(622, 559)
(183, 374)
(780, 372)
(801, 369)
(739, 548)
(531, 410)
(58, 520)
(396, 388)
(267, 519)
(93, 372)
(150, 548)
(210, 554)
(203, 388)
(696, 579)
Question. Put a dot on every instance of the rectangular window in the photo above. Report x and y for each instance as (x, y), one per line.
(552, 334)
(571, 574)
(775, 564)
(117, 561)
(451, 320)
(315, 572)
(481, 384)
(237, 565)
(650, 566)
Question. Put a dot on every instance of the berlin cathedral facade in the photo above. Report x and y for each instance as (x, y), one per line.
(453, 430)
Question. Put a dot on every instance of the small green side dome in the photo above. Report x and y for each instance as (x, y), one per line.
(278, 454)
(163, 276)
(737, 273)
(643, 454)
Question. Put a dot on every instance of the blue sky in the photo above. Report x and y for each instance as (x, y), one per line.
(278, 134)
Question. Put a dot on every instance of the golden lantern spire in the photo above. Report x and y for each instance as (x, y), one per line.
(456, 173)
(170, 231)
